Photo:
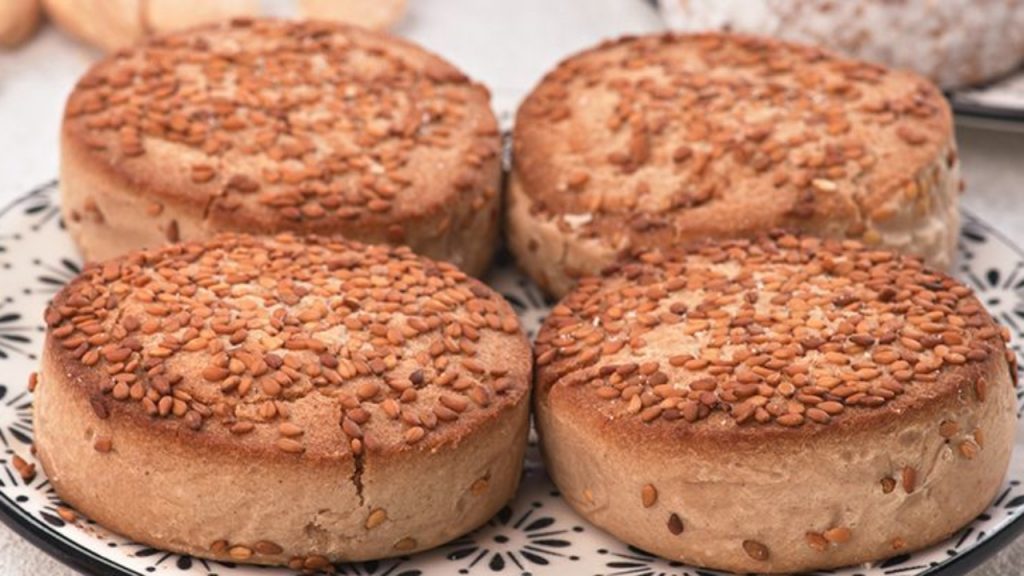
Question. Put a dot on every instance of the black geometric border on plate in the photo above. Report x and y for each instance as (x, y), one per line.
(536, 534)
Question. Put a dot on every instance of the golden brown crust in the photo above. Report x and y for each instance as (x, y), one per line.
(371, 364)
(744, 341)
(265, 126)
(662, 140)
(810, 372)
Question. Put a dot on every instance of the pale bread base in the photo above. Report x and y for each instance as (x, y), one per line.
(160, 490)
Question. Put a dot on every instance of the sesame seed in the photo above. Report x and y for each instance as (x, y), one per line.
(649, 495)
(414, 434)
(838, 535)
(315, 562)
(290, 446)
(981, 389)
(67, 514)
(790, 420)
(367, 390)
(675, 524)
(102, 444)
(479, 486)
(910, 135)
(376, 518)
(405, 544)
(756, 550)
(215, 373)
(968, 449)
(219, 546)
(888, 485)
(455, 403)
(24, 469)
(267, 548)
(909, 479)
(816, 541)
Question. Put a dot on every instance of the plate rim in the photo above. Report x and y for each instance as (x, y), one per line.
(86, 561)
(963, 105)
(970, 110)
(65, 551)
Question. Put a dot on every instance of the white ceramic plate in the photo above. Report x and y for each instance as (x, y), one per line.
(537, 534)
(999, 102)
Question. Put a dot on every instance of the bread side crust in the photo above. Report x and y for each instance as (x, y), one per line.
(776, 492)
(922, 218)
(107, 213)
(175, 494)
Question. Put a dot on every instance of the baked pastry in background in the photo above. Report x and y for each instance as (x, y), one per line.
(114, 24)
(19, 20)
(955, 43)
(657, 141)
(777, 405)
(283, 401)
(373, 14)
(267, 126)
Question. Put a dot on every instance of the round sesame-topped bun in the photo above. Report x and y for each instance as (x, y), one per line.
(776, 405)
(267, 126)
(283, 401)
(658, 141)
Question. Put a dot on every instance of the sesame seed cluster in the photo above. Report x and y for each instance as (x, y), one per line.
(319, 346)
(789, 331)
(638, 141)
(298, 126)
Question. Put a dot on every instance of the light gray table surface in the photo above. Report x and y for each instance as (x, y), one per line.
(506, 45)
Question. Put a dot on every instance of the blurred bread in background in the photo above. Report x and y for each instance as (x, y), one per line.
(106, 24)
(18, 21)
(373, 14)
(169, 15)
(955, 43)
(114, 24)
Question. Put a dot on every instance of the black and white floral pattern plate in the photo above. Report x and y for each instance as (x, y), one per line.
(537, 534)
